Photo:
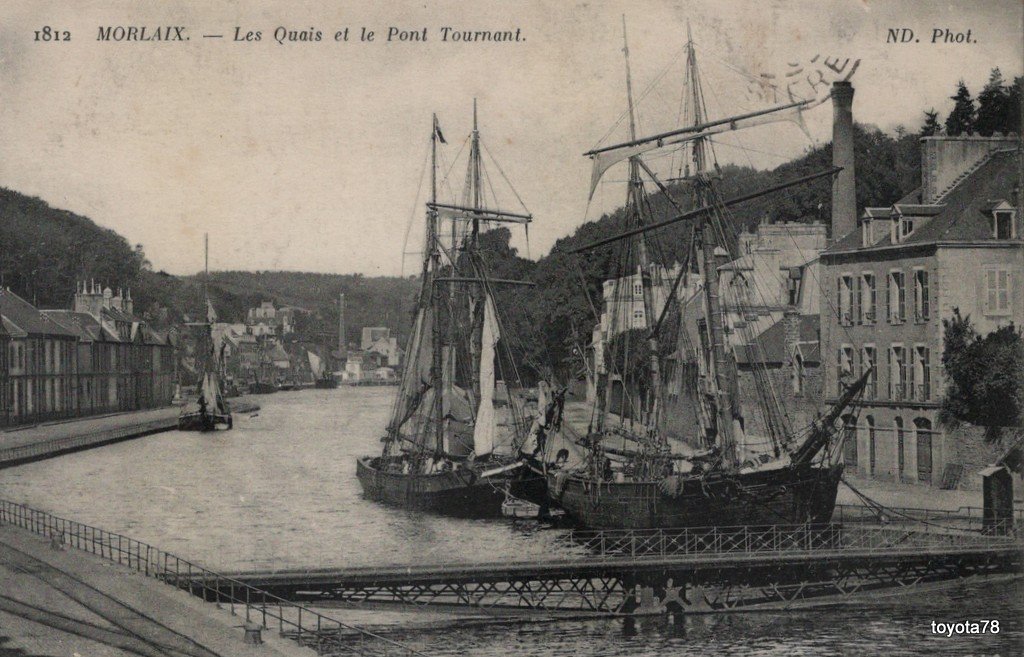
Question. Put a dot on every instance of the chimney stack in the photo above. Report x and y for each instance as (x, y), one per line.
(844, 195)
(342, 341)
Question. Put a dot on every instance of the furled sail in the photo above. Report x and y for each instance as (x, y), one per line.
(416, 374)
(485, 428)
(604, 158)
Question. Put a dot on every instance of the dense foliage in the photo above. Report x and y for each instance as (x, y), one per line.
(998, 110)
(985, 376)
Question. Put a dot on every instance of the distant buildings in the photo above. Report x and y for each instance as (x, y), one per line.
(95, 358)
(266, 319)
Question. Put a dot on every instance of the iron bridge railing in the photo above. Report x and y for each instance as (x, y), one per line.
(710, 542)
(308, 627)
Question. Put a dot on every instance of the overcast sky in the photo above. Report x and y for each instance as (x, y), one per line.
(307, 156)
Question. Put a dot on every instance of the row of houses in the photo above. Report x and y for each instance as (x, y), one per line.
(872, 296)
(96, 357)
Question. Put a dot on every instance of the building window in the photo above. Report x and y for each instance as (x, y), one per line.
(638, 318)
(799, 374)
(844, 367)
(865, 232)
(922, 308)
(997, 292)
(638, 289)
(867, 298)
(846, 300)
(793, 281)
(896, 298)
(868, 362)
(897, 373)
(920, 375)
(1002, 225)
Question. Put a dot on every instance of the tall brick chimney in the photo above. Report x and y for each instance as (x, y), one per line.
(844, 195)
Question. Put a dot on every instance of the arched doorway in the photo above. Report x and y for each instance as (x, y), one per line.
(923, 431)
(900, 456)
(869, 424)
(850, 442)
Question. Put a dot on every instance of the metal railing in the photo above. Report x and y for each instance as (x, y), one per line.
(308, 627)
(781, 539)
(57, 445)
(971, 516)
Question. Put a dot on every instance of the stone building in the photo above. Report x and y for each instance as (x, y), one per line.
(5, 375)
(266, 319)
(121, 363)
(41, 363)
(891, 280)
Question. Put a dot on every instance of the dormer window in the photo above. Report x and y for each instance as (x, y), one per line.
(902, 226)
(1002, 219)
(865, 232)
(1002, 224)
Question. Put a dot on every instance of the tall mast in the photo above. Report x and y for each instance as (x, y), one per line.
(644, 267)
(477, 299)
(724, 375)
(433, 262)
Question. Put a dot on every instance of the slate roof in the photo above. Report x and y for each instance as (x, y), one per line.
(85, 326)
(770, 347)
(22, 318)
(960, 215)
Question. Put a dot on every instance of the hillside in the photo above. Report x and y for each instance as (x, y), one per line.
(47, 249)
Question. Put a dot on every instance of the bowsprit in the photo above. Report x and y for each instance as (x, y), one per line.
(142, 33)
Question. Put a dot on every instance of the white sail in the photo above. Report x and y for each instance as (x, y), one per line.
(210, 392)
(315, 364)
(485, 428)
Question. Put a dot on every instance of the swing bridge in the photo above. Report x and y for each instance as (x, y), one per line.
(640, 572)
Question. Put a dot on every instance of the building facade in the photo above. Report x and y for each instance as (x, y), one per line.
(94, 358)
(955, 243)
(41, 358)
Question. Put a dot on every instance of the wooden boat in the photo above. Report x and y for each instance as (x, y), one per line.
(450, 446)
(262, 388)
(730, 476)
(210, 410)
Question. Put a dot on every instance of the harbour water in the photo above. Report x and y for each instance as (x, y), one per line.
(279, 491)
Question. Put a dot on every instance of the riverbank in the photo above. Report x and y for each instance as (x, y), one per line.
(63, 602)
(33, 443)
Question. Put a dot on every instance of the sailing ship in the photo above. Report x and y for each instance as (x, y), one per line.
(453, 441)
(210, 410)
(684, 453)
(323, 377)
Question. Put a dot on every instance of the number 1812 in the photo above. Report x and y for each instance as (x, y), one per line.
(50, 34)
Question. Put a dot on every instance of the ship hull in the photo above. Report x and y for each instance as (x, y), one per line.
(787, 496)
(459, 493)
(204, 422)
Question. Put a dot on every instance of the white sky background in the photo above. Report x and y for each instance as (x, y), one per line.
(307, 156)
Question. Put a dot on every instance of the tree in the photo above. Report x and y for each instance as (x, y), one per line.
(961, 120)
(931, 125)
(992, 105)
(985, 376)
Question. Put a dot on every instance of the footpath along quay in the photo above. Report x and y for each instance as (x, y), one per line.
(34, 443)
(67, 587)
